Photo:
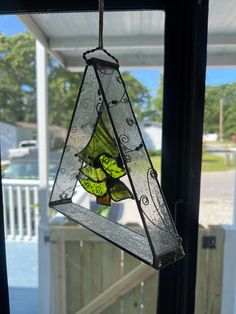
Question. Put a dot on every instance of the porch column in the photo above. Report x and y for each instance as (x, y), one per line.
(42, 116)
(234, 206)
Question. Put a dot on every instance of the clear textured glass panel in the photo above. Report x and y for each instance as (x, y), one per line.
(106, 169)
(82, 126)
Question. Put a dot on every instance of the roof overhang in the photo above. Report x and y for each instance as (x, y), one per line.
(136, 38)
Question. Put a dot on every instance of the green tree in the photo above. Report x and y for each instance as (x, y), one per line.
(157, 104)
(18, 85)
(154, 112)
(139, 96)
(213, 96)
(17, 78)
(63, 87)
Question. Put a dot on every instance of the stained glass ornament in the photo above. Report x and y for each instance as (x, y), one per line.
(105, 163)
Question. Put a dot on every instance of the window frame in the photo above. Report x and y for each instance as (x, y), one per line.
(183, 111)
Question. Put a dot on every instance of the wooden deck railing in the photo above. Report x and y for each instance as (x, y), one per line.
(20, 203)
(21, 209)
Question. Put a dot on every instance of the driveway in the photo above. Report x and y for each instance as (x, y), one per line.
(218, 185)
(217, 198)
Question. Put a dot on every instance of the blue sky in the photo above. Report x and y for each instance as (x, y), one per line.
(10, 25)
(150, 78)
(219, 76)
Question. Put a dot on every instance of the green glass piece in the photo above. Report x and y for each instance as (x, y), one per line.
(95, 188)
(120, 192)
(109, 164)
(100, 143)
(95, 174)
(104, 211)
(102, 169)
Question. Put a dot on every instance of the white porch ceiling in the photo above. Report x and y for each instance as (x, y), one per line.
(136, 38)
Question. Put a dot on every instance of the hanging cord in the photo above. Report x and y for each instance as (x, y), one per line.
(101, 11)
(100, 35)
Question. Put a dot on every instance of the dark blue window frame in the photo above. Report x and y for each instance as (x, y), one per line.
(184, 87)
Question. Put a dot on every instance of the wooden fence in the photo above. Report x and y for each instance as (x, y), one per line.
(89, 275)
(209, 270)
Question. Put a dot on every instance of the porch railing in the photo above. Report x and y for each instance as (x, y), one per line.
(21, 209)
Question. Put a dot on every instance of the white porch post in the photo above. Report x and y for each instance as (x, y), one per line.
(234, 206)
(42, 115)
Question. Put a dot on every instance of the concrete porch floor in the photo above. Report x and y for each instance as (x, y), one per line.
(22, 267)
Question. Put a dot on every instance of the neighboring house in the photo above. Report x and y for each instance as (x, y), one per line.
(28, 131)
(152, 134)
(210, 137)
(12, 134)
(8, 137)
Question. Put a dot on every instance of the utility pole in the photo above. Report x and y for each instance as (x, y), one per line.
(221, 121)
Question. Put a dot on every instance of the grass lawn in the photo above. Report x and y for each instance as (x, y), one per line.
(210, 162)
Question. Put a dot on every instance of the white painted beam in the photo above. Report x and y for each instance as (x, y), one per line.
(33, 27)
(126, 61)
(217, 58)
(42, 115)
(137, 51)
(40, 36)
(88, 42)
(220, 59)
(222, 38)
(124, 42)
(77, 69)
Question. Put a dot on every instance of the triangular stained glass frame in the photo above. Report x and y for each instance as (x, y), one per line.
(103, 88)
